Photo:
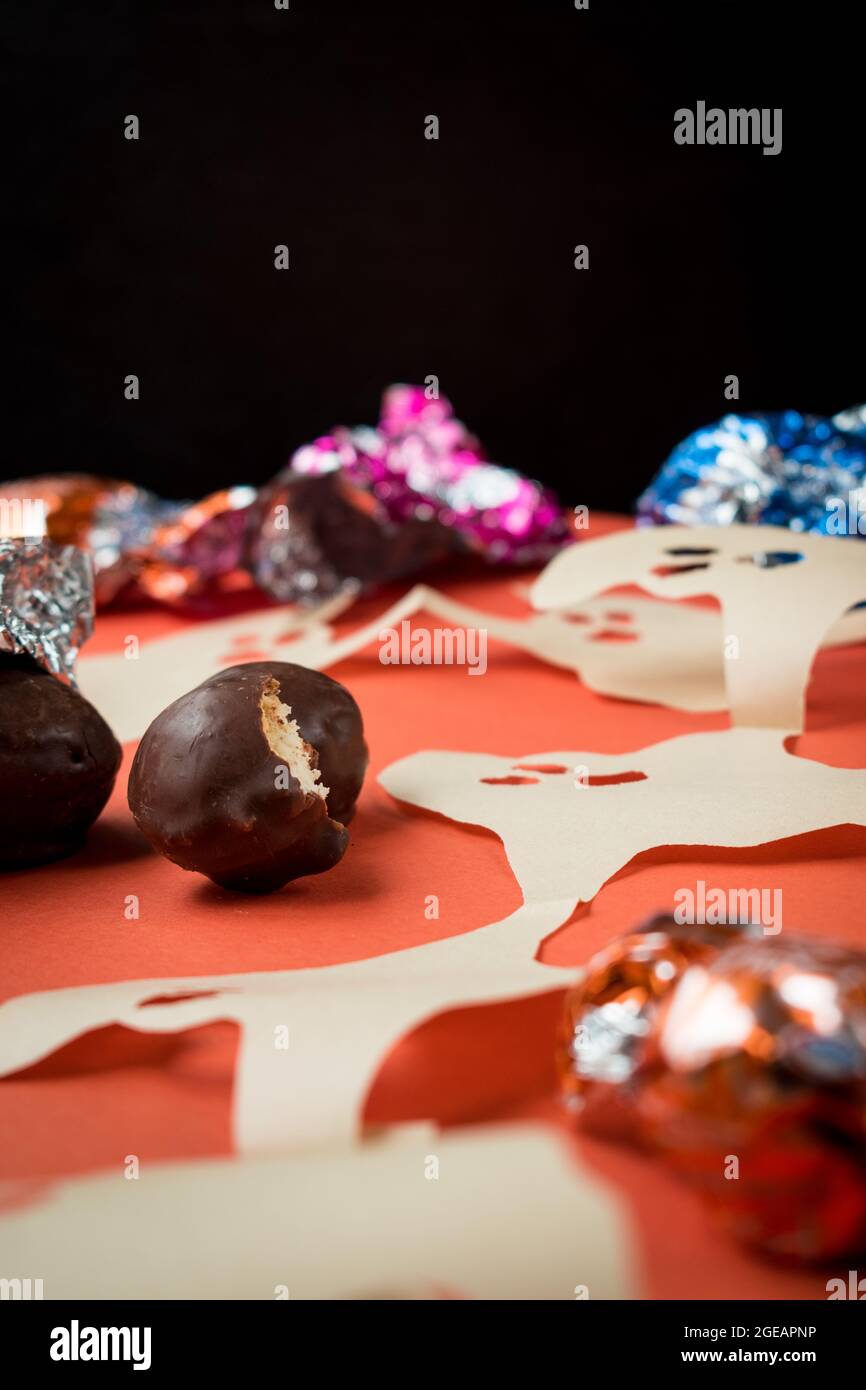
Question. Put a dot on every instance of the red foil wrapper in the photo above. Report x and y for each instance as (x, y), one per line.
(741, 1059)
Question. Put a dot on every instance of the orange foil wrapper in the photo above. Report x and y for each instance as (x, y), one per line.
(741, 1059)
(168, 550)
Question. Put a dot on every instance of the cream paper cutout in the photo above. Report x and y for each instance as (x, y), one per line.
(563, 838)
(675, 660)
(778, 615)
(341, 1019)
(505, 1218)
(664, 653)
(850, 629)
(668, 653)
(130, 692)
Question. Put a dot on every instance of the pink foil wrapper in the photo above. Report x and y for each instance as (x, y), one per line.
(422, 464)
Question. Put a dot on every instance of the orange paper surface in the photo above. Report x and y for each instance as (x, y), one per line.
(169, 1096)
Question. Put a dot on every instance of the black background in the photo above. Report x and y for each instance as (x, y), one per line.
(411, 257)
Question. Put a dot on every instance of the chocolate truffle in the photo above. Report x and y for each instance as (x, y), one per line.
(58, 762)
(251, 778)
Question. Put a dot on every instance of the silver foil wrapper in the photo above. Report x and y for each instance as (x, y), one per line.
(46, 603)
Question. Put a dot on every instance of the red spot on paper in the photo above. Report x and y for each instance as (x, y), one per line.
(510, 781)
(540, 767)
(613, 779)
(178, 998)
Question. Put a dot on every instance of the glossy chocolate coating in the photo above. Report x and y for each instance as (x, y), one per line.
(204, 786)
(58, 762)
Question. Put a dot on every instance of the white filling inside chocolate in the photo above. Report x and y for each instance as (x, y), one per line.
(285, 741)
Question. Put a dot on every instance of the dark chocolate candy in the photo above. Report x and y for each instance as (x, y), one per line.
(229, 783)
(58, 762)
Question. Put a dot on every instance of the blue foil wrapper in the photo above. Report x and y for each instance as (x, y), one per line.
(780, 468)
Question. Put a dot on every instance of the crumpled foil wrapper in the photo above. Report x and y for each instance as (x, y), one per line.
(741, 1058)
(355, 508)
(167, 549)
(776, 469)
(368, 505)
(46, 603)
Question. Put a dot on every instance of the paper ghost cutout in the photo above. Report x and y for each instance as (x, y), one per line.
(499, 1216)
(779, 594)
(634, 648)
(568, 820)
(130, 691)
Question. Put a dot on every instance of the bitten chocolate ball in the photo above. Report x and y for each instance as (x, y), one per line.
(252, 777)
(58, 762)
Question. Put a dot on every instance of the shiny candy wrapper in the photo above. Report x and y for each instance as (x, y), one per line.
(741, 1058)
(46, 603)
(196, 545)
(783, 468)
(317, 535)
(371, 505)
(168, 549)
(355, 508)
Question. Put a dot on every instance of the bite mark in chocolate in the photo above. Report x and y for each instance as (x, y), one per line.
(285, 741)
